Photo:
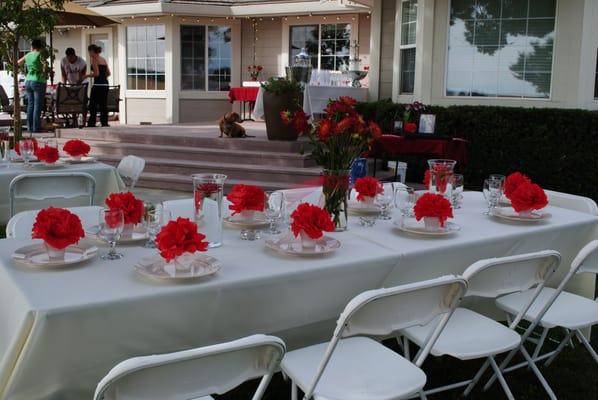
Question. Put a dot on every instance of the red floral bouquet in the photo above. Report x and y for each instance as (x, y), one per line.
(178, 237)
(205, 190)
(254, 71)
(410, 127)
(311, 220)
(442, 175)
(132, 208)
(299, 120)
(368, 187)
(57, 227)
(527, 197)
(246, 198)
(18, 146)
(47, 154)
(76, 148)
(431, 205)
(513, 181)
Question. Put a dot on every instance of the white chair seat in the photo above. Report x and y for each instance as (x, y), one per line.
(360, 369)
(568, 310)
(467, 335)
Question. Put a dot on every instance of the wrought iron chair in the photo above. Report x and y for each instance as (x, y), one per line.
(71, 101)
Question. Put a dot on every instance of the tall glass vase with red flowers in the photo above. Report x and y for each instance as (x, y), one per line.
(441, 176)
(208, 190)
(337, 139)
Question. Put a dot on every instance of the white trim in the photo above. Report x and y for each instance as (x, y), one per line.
(169, 75)
(146, 94)
(396, 51)
(375, 51)
(122, 69)
(201, 95)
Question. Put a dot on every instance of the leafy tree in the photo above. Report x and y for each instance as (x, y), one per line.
(26, 19)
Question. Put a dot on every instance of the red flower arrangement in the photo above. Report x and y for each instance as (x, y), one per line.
(427, 178)
(254, 71)
(312, 220)
(131, 206)
(368, 187)
(246, 198)
(410, 127)
(18, 147)
(442, 175)
(434, 206)
(527, 197)
(178, 237)
(513, 181)
(299, 120)
(76, 148)
(57, 227)
(48, 154)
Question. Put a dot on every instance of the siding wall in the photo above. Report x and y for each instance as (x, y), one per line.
(387, 48)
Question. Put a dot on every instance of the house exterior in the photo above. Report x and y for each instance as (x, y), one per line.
(175, 60)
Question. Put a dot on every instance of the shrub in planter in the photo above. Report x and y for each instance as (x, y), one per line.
(280, 95)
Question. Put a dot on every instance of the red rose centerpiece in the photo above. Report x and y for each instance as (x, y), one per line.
(58, 228)
(367, 188)
(246, 200)
(132, 208)
(309, 223)
(177, 238)
(76, 148)
(525, 195)
(434, 209)
(513, 181)
(47, 154)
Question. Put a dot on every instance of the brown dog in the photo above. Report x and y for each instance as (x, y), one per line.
(231, 127)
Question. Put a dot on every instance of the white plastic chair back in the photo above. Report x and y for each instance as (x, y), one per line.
(20, 225)
(194, 373)
(55, 185)
(130, 169)
(587, 259)
(572, 202)
(180, 208)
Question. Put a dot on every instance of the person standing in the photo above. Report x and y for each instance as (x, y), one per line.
(35, 84)
(73, 68)
(99, 91)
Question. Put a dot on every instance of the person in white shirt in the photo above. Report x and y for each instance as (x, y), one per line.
(73, 68)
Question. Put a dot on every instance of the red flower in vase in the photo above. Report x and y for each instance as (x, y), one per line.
(312, 220)
(179, 237)
(527, 197)
(204, 190)
(324, 129)
(18, 146)
(410, 127)
(57, 227)
(433, 205)
(368, 187)
(301, 122)
(246, 198)
(286, 117)
(76, 148)
(47, 154)
(375, 129)
(335, 182)
(513, 181)
(427, 179)
(131, 206)
(439, 176)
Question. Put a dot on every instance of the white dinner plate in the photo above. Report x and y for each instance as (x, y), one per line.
(36, 255)
(359, 208)
(199, 266)
(509, 214)
(42, 165)
(138, 235)
(418, 228)
(238, 222)
(288, 244)
(80, 160)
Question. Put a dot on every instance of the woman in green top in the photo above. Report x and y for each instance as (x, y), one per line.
(35, 85)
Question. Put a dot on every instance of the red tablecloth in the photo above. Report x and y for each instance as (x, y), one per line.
(243, 94)
(391, 147)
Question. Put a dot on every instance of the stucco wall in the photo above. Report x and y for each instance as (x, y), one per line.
(145, 110)
(267, 47)
(387, 48)
(198, 110)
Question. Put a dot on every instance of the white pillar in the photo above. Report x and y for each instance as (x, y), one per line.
(424, 42)
(375, 50)
(122, 70)
(172, 69)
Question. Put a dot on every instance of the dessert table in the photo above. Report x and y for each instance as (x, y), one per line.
(106, 176)
(247, 95)
(64, 329)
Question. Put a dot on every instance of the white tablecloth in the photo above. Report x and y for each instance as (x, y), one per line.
(62, 330)
(106, 176)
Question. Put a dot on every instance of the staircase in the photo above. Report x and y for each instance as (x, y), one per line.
(174, 152)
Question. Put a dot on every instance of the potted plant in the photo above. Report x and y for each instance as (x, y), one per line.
(280, 95)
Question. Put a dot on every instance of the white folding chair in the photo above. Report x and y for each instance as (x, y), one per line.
(572, 202)
(469, 335)
(51, 186)
(195, 373)
(353, 367)
(21, 224)
(130, 169)
(556, 308)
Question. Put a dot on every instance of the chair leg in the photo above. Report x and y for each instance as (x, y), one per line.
(540, 343)
(501, 379)
(406, 348)
(560, 348)
(422, 396)
(539, 375)
(293, 391)
(476, 378)
(588, 346)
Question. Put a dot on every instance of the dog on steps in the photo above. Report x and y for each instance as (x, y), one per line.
(230, 125)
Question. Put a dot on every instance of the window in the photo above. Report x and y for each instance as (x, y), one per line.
(206, 48)
(596, 83)
(24, 48)
(407, 49)
(145, 57)
(329, 45)
(501, 48)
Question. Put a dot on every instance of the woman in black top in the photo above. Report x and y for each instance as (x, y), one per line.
(99, 91)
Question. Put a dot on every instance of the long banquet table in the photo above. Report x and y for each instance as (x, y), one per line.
(62, 330)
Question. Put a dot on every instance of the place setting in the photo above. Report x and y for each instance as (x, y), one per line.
(77, 152)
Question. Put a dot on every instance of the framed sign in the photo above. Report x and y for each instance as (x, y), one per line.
(427, 124)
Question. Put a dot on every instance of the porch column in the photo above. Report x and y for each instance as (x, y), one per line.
(172, 70)
(122, 70)
(424, 43)
(375, 46)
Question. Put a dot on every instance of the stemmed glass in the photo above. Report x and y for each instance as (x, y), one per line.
(458, 185)
(155, 219)
(112, 223)
(384, 200)
(273, 210)
(492, 193)
(26, 148)
(405, 198)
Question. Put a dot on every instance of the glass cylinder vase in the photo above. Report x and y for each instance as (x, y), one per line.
(208, 191)
(441, 176)
(335, 189)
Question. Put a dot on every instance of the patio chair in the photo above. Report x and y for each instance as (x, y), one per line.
(20, 225)
(113, 103)
(572, 202)
(130, 169)
(71, 101)
(195, 373)
(353, 366)
(5, 105)
(51, 186)
(469, 335)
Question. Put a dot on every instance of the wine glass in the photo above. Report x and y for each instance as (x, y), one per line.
(458, 186)
(155, 219)
(27, 149)
(492, 193)
(112, 223)
(405, 198)
(274, 208)
(384, 200)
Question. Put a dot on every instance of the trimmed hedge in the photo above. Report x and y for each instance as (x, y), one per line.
(558, 148)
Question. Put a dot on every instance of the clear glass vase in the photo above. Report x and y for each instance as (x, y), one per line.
(335, 189)
(441, 177)
(208, 190)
